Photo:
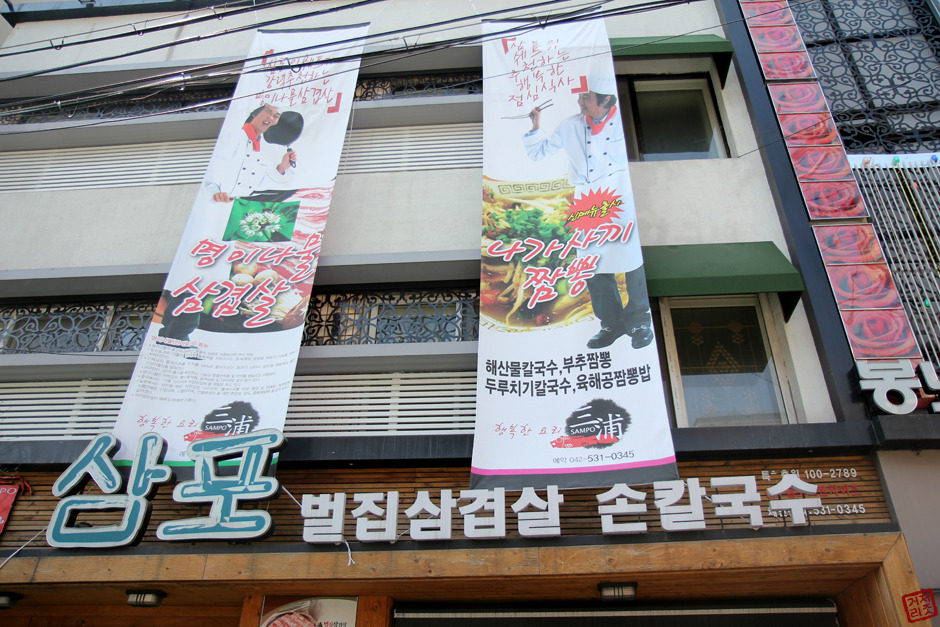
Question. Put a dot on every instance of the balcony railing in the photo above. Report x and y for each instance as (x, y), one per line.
(194, 100)
(333, 318)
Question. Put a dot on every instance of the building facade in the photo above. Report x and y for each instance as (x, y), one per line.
(832, 518)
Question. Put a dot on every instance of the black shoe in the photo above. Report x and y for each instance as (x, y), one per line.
(642, 336)
(605, 337)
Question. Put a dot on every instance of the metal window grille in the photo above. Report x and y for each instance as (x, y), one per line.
(74, 327)
(393, 317)
(879, 66)
(374, 317)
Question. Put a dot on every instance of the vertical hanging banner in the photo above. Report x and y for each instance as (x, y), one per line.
(9, 488)
(219, 357)
(569, 391)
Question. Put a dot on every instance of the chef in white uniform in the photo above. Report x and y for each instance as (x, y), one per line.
(242, 163)
(597, 160)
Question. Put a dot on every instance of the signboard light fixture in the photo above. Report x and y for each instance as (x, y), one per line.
(617, 591)
(8, 600)
(145, 598)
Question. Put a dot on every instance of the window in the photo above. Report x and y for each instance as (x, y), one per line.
(724, 362)
(74, 327)
(671, 119)
(392, 316)
(423, 319)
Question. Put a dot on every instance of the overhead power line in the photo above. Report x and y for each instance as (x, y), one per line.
(410, 51)
(414, 50)
(183, 77)
(135, 30)
(190, 74)
(407, 51)
(188, 40)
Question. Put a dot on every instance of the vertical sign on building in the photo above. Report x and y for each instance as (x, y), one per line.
(9, 488)
(219, 357)
(569, 389)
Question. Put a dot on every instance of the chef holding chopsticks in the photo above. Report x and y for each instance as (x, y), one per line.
(597, 160)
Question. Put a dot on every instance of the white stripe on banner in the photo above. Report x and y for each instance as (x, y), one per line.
(569, 390)
(220, 355)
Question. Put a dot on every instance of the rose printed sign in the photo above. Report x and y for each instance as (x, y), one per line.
(219, 356)
(569, 392)
(848, 244)
(875, 322)
(868, 300)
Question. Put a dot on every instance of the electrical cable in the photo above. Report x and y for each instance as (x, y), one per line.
(23, 546)
(50, 45)
(411, 52)
(182, 75)
(186, 75)
(193, 39)
(131, 24)
(666, 38)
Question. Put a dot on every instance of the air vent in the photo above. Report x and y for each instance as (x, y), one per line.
(399, 149)
(394, 404)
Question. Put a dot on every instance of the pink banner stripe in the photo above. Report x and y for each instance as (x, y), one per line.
(572, 470)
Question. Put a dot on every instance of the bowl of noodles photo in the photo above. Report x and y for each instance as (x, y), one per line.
(517, 212)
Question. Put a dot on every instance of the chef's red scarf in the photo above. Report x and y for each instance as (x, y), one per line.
(253, 136)
(597, 127)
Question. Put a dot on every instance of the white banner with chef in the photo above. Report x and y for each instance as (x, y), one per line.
(219, 356)
(569, 391)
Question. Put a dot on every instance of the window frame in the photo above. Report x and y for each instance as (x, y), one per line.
(769, 316)
(627, 88)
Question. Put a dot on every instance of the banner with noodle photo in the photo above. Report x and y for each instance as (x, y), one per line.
(569, 390)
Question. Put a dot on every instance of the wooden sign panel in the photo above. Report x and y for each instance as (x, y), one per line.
(848, 490)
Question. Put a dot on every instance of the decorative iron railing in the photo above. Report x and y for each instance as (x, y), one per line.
(198, 100)
(879, 65)
(129, 106)
(74, 328)
(450, 84)
(393, 317)
(374, 317)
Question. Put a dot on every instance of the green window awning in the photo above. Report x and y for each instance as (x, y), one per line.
(713, 269)
(681, 45)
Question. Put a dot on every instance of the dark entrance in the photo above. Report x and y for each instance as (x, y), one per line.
(822, 614)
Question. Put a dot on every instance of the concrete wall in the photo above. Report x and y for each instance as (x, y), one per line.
(911, 480)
